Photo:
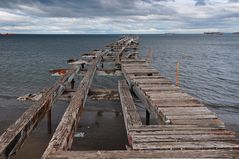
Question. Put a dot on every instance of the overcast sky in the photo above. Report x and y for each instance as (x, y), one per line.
(118, 16)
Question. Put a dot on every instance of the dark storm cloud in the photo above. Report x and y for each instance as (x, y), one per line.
(233, 1)
(117, 16)
(200, 2)
(87, 8)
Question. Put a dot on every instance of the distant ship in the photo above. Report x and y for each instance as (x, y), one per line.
(169, 33)
(7, 34)
(213, 33)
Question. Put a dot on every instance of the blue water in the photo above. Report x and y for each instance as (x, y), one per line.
(209, 64)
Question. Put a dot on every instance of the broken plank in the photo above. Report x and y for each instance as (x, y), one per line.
(129, 109)
(63, 136)
(185, 145)
(156, 154)
(13, 138)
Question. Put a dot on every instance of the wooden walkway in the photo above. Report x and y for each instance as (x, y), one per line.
(185, 129)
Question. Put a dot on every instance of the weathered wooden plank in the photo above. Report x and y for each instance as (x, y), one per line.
(135, 65)
(183, 132)
(156, 154)
(133, 61)
(129, 109)
(63, 136)
(125, 43)
(152, 81)
(182, 138)
(200, 122)
(186, 109)
(148, 105)
(132, 70)
(103, 94)
(176, 102)
(191, 116)
(185, 145)
(159, 89)
(148, 128)
(104, 72)
(12, 139)
(186, 113)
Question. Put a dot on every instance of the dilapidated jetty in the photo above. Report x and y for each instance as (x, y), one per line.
(185, 127)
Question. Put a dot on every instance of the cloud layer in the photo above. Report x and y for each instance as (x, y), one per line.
(118, 16)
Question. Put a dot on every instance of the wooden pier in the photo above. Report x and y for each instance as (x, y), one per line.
(185, 128)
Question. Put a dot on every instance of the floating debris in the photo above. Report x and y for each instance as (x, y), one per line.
(58, 72)
(29, 96)
(76, 62)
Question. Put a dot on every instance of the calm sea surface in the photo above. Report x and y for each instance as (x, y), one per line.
(209, 65)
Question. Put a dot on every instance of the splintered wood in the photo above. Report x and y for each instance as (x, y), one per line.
(185, 129)
(189, 124)
(12, 139)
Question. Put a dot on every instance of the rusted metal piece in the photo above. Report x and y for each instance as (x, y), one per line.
(13, 138)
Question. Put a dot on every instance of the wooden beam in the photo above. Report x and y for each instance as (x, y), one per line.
(104, 72)
(94, 94)
(145, 154)
(125, 42)
(13, 138)
(64, 134)
(131, 115)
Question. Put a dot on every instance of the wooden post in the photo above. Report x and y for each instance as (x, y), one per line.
(72, 83)
(49, 122)
(149, 57)
(147, 117)
(177, 74)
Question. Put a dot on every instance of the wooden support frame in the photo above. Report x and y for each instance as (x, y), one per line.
(144, 154)
(13, 138)
(94, 94)
(63, 136)
(144, 100)
(104, 72)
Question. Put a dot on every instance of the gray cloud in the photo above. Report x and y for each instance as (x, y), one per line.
(200, 2)
(117, 16)
(233, 1)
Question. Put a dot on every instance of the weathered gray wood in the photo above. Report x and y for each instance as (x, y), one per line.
(12, 139)
(103, 94)
(94, 94)
(156, 154)
(131, 115)
(183, 132)
(148, 105)
(63, 136)
(124, 42)
(148, 128)
(182, 138)
(185, 145)
(152, 81)
(104, 72)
